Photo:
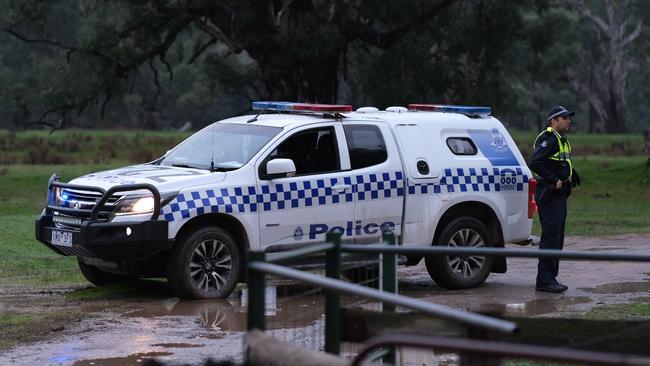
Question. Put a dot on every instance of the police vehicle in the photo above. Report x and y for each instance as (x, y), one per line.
(284, 178)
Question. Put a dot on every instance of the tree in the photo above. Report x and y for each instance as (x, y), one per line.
(297, 45)
(604, 82)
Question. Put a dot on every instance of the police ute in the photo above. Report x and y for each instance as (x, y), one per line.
(285, 176)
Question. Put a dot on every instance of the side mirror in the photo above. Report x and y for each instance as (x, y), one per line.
(280, 168)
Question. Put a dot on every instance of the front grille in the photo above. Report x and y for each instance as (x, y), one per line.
(82, 200)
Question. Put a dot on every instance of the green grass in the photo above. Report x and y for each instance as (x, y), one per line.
(639, 309)
(85, 146)
(614, 197)
(22, 198)
(588, 144)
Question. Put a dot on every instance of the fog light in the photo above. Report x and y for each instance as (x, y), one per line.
(128, 231)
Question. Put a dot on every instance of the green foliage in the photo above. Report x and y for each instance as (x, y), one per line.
(153, 65)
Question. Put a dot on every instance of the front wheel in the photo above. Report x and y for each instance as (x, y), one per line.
(457, 271)
(204, 265)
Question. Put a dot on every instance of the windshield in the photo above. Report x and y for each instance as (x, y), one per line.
(228, 145)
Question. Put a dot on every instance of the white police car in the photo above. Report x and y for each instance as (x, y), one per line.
(441, 175)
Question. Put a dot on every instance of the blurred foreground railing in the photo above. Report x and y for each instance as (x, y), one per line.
(261, 264)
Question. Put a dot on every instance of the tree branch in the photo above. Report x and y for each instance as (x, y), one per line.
(40, 40)
(199, 51)
(218, 34)
(632, 36)
(360, 30)
(593, 17)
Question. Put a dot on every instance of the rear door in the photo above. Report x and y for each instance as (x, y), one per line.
(377, 180)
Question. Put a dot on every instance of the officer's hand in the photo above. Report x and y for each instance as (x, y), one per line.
(558, 185)
(575, 179)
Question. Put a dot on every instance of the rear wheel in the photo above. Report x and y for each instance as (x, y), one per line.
(459, 272)
(99, 277)
(204, 265)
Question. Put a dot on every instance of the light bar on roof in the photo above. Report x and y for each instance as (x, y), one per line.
(300, 107)
(462, 109)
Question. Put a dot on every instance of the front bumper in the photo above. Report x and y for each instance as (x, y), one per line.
(106, 240)
(88, 231)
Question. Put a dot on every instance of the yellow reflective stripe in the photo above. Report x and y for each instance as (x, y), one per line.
(564, 151)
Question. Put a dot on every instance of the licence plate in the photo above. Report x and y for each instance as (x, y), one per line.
(63, 238)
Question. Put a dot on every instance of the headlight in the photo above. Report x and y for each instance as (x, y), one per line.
(140, 204)
(134, 206)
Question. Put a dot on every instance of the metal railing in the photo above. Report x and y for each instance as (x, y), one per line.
(500, 349)
(261, 264)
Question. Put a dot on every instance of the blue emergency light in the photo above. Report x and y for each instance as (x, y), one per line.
(462, 109)
(300, 107)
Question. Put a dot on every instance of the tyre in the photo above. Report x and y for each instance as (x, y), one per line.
(205, 264)
(99, 277)
(460, 272)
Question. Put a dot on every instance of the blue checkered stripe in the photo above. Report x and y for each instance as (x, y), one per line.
(455, 180)
(481, 180)
(272, 197)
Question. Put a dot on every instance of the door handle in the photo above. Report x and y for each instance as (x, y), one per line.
(341, 187)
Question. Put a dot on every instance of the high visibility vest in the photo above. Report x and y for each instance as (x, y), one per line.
(564, 153)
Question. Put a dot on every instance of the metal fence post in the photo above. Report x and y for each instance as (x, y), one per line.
(256, 301)
(389, 284)
(332, 298)
(389, 270)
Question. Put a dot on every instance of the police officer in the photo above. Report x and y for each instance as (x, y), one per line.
(551, 161)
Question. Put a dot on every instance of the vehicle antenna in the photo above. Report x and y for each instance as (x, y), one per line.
(213, 132)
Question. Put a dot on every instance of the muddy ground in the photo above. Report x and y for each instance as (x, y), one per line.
(149, 323)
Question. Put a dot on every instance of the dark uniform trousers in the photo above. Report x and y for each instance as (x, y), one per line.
(552, 216)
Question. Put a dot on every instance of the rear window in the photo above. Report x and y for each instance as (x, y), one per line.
(461, 146)
(366, 145)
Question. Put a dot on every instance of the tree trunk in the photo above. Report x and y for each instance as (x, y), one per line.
(314, 82)
(606, 91)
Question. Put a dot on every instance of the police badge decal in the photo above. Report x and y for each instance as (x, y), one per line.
(498, 143)
(297, 234)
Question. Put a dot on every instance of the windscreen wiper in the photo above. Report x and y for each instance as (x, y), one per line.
(185, 166)
(222, 168)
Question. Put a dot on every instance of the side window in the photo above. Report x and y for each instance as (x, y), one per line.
(313, 151)
(366, 145)
(461, 146)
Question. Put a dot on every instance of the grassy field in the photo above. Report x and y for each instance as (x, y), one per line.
(22, 198)
(613, 199)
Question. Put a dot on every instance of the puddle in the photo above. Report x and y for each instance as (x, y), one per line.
(231, 314)
(532, 307)
(134, 359)
(619, 288)
(176, 345)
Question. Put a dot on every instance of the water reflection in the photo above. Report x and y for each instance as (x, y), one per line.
(286, 306)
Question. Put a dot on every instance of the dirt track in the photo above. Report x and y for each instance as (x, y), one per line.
(127, 331)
